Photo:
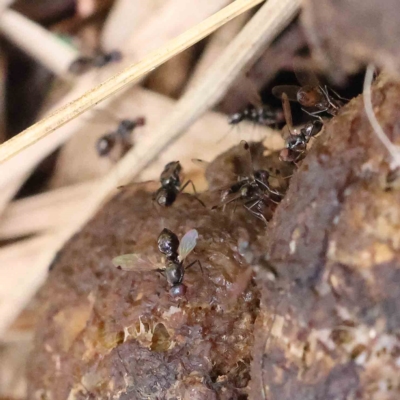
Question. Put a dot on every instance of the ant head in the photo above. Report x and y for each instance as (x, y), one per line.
(168, 242)
(140, 121)
(262, 175)
(127, 124)
(308, 96)
(105, 144)
(80, 65)
(312, 128)
(114, 56)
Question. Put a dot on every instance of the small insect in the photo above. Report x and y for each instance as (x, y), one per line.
(170, 180)
(121, 135)
(252, 188)
(261, 115)
(296, 142)
(256, 111)
(311, 94)
(175, 253)
(100, 59)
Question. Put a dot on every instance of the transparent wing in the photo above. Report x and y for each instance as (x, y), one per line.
(287, 112)
(252, 94)
(187, 244)
(290, 90)
(306, 77)
(135, 262)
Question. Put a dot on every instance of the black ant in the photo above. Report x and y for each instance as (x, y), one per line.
(171, 185)
(311, 94)
(175, 253)
(252, 187)
(256, 111)
(261, 115)
(122, 134)
(99, 60)
(296, 143)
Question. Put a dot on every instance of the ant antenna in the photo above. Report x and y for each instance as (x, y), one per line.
(390, 147)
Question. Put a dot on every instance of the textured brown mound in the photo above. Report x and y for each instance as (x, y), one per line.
(329, 326)
(328, 273)
(107, 333)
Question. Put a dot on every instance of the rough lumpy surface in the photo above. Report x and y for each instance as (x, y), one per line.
(329, 324)
(111, 334)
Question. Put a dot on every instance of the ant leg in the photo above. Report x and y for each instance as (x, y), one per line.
(194, 189)
(314, 113)
(337, 94)
(269, 189)
(161, 271)
(194, 262)
(255, 213)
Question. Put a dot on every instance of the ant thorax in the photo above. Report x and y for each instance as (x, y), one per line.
(174, 272)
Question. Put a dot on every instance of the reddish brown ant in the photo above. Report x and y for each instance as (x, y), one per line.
(252, 187)
(170, 180)
(175, 253)
(121, 135)
(310, 95)
(296, 142)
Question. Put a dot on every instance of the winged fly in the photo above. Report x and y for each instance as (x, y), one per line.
(252, 188)
(99, 60)
(311, 94)
(175, 253)
(171, 185)
(296, 142)
(122, 136)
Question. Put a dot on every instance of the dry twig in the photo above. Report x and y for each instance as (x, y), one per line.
(117, 82)
(39, 43)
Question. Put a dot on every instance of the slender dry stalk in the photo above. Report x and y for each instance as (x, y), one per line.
(23, 268)
(39, 43)
(46, 211)
(390, 147)
(26, 160)
(127, 76)
(3, 77)
(256, 35)
(218, 42)
(9, 191)
(124, 18)
(168, 11)
(78, 161)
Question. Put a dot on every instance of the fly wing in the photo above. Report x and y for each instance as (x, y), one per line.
(187, 244)
(290, 90)
(252, 94)
(135, 262)
(306, 77)
(287, 112)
